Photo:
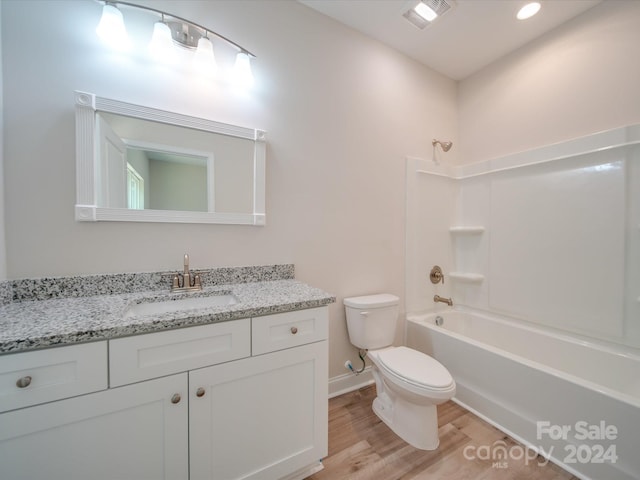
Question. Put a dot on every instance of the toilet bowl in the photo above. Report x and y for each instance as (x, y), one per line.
(423, 379)
(409, 386)
(409, 383)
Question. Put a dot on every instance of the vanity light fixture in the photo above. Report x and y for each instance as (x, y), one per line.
(426, 11)
(242, 70)
(172, 32)
(204, 57)
(161, 45)
(111, 28)
(528, 11)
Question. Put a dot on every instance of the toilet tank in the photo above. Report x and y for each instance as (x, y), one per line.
(371, 320)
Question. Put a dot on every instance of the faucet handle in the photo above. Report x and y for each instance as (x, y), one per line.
(186, 281)
(436, 275)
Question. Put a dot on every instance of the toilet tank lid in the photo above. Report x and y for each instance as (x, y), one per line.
(372, 301)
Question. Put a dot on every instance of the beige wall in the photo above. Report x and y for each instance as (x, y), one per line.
(582, 78)
(3, 262)
(341, 112)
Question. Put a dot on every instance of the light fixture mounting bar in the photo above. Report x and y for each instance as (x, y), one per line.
(184, 20)
(185, 34)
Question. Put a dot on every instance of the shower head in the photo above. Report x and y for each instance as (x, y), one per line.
(446, 146)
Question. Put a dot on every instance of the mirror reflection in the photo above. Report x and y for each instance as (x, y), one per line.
(149, 165)
(166, 180)
(140, 164)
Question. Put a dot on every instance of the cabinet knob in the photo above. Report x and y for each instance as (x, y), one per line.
(23, 382)
(294, 330)
(176, 398)
(200, 392)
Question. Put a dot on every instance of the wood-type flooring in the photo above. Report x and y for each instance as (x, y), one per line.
(362, 447)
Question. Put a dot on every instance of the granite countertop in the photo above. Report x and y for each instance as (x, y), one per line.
(33, 324)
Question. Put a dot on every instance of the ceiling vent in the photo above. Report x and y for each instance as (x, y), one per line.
(427, 11)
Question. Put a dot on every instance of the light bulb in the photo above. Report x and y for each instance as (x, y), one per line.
(528, 11)
(242, 70)
(426, 12)
(204, 59)
(161, 45)
(111, 28)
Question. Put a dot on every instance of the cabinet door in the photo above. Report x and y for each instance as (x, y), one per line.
(262, 417)
(133, 432)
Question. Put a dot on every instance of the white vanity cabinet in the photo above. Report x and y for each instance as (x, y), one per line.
(244, 399)
(138, 431)
(134, 432)
(264, 417)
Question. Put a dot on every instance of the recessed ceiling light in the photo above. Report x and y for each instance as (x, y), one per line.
(528, 11)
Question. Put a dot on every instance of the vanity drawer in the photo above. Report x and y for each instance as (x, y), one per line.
(152, 355)
(41, 376)
(290, 329)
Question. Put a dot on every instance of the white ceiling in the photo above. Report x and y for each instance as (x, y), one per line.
(470, 36)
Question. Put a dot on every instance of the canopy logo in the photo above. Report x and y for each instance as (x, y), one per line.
(583, 442)
(499, 453)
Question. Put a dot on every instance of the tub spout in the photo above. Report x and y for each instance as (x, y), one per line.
(438, 298)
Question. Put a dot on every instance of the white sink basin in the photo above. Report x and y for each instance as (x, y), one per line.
(182, 304)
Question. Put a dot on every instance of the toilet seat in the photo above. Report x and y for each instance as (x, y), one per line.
(412, 367)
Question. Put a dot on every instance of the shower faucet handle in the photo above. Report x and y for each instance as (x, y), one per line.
(436, 275)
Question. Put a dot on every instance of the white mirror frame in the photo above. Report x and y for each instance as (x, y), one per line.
(87, 210)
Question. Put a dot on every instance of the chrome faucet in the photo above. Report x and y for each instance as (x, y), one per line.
(186, 281)
(438, 298)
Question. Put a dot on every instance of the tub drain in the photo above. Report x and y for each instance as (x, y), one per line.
(439, 320)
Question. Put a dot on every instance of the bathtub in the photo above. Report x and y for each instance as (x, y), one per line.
(575, 401)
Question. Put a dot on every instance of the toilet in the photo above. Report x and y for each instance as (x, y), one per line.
(409, 383)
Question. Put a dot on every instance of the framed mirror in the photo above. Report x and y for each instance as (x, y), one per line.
(141, 164)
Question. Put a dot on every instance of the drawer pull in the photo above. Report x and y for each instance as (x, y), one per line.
(176, 398)
(294, 330)
(200, 392)
(23, 382)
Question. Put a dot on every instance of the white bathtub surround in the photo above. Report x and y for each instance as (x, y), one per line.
(539, 252)
(548, 235)
(546, 389)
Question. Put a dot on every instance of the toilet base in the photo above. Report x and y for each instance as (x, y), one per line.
(415, 424)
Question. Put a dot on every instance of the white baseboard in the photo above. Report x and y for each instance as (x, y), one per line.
(349, 382)
(305, 472)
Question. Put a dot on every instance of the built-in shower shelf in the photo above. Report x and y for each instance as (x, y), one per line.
(464, 230)
(466, 277)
